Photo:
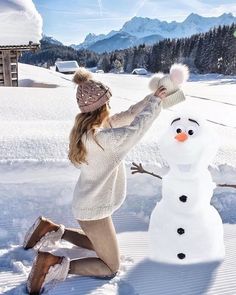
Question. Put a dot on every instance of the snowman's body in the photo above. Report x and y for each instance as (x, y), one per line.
(184, 227)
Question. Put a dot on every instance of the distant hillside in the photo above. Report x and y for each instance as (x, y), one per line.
(51, 50)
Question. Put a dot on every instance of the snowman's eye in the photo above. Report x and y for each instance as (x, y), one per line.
(193, 130)
(178, 130)
(190, 132)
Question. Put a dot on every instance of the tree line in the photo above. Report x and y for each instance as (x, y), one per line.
(210, 52)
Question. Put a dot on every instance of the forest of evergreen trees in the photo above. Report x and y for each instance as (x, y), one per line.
(211, 52)
(49, 53)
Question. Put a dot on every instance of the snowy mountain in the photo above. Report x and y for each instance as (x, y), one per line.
(51, 40)
(193, 24)
(122, 40)
(91, 39)
(149, 31)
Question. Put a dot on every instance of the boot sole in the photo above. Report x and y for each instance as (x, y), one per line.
(28, 283)
(38, 263)
(32, 233)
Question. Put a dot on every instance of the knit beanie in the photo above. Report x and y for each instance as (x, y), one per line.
(90, 94)
(179, 74)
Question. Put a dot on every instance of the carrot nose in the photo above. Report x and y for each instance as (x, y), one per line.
(181, 136)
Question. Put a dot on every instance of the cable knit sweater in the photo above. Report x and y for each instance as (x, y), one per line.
(101, 188)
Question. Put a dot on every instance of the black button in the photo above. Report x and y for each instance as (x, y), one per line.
(183, 198)
(180, 231)
(181, 255)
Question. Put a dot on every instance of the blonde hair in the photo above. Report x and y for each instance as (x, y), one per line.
(85, 122)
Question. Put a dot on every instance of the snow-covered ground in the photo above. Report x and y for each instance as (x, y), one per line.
(37, 179)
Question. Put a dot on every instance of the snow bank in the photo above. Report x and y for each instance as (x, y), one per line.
(20, 22)
(32, 76)
(37, 179)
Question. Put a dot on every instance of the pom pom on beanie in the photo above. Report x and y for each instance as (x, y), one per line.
(82, 75)
(179, 73)
(154, 82)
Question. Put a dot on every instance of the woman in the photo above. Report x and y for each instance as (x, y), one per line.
(98, 145)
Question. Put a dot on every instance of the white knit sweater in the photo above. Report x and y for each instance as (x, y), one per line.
(101, 188)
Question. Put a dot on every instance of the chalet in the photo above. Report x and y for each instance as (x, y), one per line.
(9, 55)
(66, 67)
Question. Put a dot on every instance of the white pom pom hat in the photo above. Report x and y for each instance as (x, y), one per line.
(179, 74)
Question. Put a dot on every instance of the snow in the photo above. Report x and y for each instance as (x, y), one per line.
(20, 22)
(37, 179)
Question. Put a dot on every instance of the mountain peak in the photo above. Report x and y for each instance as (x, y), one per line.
(193, 16)
(139, 18)
(91, 37)
(51, 40)
(141, 26)
(228, 15)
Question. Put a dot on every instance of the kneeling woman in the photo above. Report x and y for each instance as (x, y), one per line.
(98, 146)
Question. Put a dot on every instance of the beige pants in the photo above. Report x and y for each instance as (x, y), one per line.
(100, 236)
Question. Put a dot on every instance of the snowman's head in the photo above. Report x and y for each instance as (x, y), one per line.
(188, 140)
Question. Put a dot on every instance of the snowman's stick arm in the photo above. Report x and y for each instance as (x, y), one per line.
(139, 169)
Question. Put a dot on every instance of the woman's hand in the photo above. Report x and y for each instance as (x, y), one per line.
(161, 92)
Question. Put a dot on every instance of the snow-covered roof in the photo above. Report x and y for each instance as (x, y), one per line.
(20, 22)
(140, 71)
(67, 66)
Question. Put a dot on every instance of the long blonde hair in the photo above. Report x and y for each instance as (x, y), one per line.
(85, 122)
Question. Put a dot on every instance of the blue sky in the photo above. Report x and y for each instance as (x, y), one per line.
(70, 21)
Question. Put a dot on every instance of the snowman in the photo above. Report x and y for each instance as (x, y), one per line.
(184, 227)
